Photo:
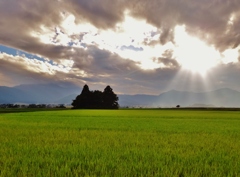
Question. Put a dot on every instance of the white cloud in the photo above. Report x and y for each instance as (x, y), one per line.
(35, 65)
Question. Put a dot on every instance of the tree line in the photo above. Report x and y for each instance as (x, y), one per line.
(96, 99)
(31, 106)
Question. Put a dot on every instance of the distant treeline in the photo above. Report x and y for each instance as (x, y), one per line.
(31, 106)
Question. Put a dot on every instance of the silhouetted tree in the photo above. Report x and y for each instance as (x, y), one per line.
(83, 101)
(32, 106)
(110, 99)
(96, 99)
(41, 106)
(60, 106)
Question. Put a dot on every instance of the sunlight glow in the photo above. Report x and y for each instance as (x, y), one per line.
(193, 54)
(230, 56)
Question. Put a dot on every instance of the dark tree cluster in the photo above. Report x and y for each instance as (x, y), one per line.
(96, 99)
(10, 106)
(31, 106)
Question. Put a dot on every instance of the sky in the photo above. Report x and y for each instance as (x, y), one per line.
(136, 47)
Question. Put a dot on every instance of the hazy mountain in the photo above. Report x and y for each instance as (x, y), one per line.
(137, 100)
(222, 97)
(12, 95)
(67, 99)
(64, 93)
(39, 93)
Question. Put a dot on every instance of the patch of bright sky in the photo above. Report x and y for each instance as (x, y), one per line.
(196, 55)
(230, 56)
(45, 67)
(14, 52)
(44, 34)
(192, 53)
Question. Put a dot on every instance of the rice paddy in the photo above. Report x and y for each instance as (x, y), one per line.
(120, 143)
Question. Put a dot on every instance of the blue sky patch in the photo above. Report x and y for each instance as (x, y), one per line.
(14, 52)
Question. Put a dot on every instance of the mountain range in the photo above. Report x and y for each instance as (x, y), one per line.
(64, 93)
(224, 97)
(37, 93)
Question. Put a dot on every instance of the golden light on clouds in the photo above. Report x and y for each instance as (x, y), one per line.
(132, 38)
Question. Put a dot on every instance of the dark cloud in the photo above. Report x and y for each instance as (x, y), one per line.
(103, 62)
(16, 73)
(168, 62)
(20, 18)
(167, 35)
(103, 13)
(206, 19)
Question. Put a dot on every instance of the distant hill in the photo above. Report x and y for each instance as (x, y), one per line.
(137, 100)
(39, 93)
(67, 99)
(64, 93)
(224, 97)
(12, 95)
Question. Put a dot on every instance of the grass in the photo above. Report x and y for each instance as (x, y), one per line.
(120, 143)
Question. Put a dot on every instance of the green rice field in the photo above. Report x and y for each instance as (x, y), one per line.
(125, 143)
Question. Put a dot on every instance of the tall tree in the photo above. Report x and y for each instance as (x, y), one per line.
(83, 101)
(110, 99)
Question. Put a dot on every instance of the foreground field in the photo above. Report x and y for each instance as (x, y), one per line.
(120, 143)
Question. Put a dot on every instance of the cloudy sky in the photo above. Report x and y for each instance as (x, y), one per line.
(136, 46)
